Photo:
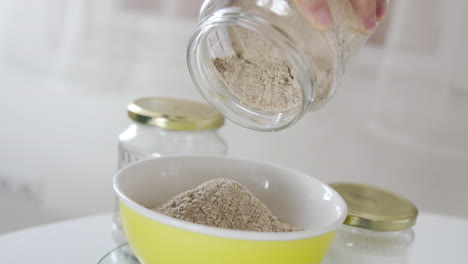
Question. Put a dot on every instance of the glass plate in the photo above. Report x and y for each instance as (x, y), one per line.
(119, 255)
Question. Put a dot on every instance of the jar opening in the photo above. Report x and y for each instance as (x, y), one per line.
(250, 71)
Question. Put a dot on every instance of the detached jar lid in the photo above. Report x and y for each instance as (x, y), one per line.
(174, 114)
(376, 209)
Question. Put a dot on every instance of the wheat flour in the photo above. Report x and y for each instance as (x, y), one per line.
(258, 76)
(224, 203)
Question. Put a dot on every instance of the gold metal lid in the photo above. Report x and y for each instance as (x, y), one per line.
(174, 114)
(376, 209)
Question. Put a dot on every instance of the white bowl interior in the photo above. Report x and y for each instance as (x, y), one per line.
(292, 196)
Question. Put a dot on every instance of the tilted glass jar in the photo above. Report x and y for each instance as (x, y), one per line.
(167, 126)
(317, 59)
(378, 228)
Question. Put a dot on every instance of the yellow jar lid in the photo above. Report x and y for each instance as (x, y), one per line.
(376, 209)
(174, 114)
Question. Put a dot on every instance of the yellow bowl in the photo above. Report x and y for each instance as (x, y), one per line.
(292, 196)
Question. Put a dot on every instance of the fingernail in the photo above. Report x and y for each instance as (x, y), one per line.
(323, 18)
(370, 24)
(381, 10)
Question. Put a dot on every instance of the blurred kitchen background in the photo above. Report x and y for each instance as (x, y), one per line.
(69, 67)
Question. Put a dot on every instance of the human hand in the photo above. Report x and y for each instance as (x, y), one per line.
(368, 13)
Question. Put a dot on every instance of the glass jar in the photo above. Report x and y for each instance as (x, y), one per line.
(276, 31)
(378, 228)
(167, 126)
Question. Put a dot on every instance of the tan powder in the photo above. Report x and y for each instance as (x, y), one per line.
(224, 203)
(258, 76)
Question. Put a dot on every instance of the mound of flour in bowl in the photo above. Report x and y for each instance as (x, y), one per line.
(224, 203)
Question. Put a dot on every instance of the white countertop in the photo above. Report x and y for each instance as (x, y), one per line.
(81, 240)
(439, 239)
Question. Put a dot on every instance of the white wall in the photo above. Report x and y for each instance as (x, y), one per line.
(398, 121)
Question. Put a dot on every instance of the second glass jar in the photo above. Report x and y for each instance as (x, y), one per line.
(378, 228)
(317, 59)
(163, 127)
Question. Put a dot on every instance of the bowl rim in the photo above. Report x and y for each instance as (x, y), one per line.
(229, 233)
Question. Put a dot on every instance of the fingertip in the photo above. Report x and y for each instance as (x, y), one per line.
(317, 12)
(366, 12)
(370, 24)
(322, 17)
(381, 10)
